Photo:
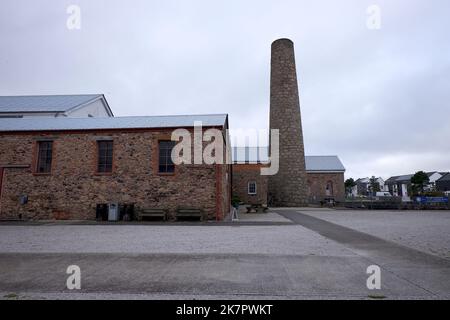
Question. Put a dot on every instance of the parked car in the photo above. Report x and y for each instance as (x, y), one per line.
(384, 194)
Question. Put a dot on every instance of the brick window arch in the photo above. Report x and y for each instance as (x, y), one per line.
(329, 188)
(251, 187)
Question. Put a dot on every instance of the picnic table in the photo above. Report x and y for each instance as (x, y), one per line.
(258, 208)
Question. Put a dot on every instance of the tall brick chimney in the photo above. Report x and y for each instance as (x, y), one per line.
(288, 188)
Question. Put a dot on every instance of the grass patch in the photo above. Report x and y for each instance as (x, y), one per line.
(11, 296)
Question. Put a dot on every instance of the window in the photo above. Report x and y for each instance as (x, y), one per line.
(105, 156)
(165, 157)
(44, 160)
(329, 189)
(1, 180)
(252, 187)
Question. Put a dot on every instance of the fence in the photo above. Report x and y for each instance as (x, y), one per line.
(395, 204)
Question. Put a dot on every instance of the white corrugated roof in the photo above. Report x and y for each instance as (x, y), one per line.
(250, 154)
(63, 124)
(312, 163)
(44, 103)
(323, 163)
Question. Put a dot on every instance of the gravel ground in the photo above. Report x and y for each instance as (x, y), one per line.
(162, 296)
(263, 217)
(428, 231)
(283, 240)
(274, 261)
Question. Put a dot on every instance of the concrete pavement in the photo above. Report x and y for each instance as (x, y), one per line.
(428, 272)
(309, 258)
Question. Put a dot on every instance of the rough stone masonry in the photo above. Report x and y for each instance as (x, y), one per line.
(288, 188)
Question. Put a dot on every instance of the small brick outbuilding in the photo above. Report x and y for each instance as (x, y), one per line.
(325, 177)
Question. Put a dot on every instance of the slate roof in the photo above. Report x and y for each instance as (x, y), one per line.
(312, 163)
(323, 163)
(407, 178)
(391, 179)
(404, 178)
(446, 177)
(44, 103)
(68, 124)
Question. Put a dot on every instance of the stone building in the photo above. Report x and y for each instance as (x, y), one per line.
(325, 179)
(324, 174)
(249, 186)
(62, 168)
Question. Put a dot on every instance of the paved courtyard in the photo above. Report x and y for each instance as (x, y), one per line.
(289, 253)
(427, 231)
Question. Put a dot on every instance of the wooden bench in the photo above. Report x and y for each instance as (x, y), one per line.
(257, 208)
(189, 213)
(153, 213)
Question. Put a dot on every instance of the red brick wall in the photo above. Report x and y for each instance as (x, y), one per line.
(317, 183)
(242, 175)
(73, 188)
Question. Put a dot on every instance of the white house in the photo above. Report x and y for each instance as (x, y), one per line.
(362, 186)
(434, 176)
(400, 185)
(75, 106)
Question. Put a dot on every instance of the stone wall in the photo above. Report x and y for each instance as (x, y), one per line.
(317, 183)
(288, 187)
(73, 188)
(242, 175)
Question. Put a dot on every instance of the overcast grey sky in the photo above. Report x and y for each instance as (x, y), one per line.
(377, 98)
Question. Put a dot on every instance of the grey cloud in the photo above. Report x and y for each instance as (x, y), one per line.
(378, 99)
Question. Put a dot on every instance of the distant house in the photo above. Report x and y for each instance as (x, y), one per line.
(74, 106)
(400, 185)
(443, 184)
(434, 177)
(362, 187)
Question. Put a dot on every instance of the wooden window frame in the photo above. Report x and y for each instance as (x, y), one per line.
(97, 158)
(37, 148)
(157, 162)
(248, 188)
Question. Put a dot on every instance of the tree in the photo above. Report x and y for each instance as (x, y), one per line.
(418, 181)
(374, 185)
(349, 184)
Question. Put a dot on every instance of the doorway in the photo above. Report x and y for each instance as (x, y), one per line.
(1, 180)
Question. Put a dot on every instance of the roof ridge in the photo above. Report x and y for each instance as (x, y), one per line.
(121, 117)
(178, 115)
(68, 124)
(334, 155)
(52, 95)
